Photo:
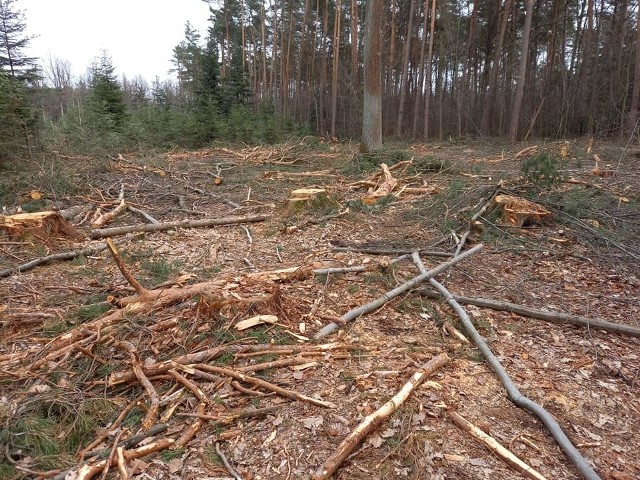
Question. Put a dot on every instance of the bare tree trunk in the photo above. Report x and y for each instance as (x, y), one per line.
(405, 69)
(323, 66)
(372, 107)
(490, 100)
(264, 52)
(421, 86)
(635, 94)
(463, 91)
(522, 74)
(336, 63)
(354, 45)
(427, 90)
(390, 86)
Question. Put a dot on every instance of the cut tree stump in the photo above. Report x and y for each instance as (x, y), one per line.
(41, 224)
(519, 212)
(306, 194)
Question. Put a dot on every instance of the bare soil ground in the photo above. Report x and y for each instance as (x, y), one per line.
(56, 397)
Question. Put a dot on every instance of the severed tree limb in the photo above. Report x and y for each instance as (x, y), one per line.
(195, 389)
(85, 252)
(154, 400)
(390, 295)
(514, 394)
(130, 442)
(211, 354)
(90, 470)
(107, 217)
(193, 429)
(144, 214)
(553, 317)
(146, 227)
(495, 447)
(372, 421)
(477, 215)
(258, 382)
(124, 270)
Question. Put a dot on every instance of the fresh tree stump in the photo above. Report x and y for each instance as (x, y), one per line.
(41, 224)
(519, 212)
(306, 194)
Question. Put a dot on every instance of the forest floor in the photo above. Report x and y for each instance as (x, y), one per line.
(71, 331)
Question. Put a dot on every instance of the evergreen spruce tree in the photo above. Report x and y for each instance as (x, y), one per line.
(107, 99)
(17, 118)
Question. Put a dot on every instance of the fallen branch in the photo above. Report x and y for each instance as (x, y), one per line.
(85, 252)
(264, 384)
(205, 222)
(143, 213)
(375, 304)
(140, 290)
(495, 447)
(373, 420)
(514, 394)
(553, 317)
(211, 354)
(154, 399)
(226, 463)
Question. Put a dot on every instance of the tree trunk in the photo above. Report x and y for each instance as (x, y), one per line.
(405, 69)
(427, 89)
(522, 74)
(390, 87)
(354, 45)
(635, 94)
(336, 63)
(490, 100)
(372, 108)
(421, 84)
(323, 67)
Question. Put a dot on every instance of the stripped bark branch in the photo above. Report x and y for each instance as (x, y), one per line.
(372, 421)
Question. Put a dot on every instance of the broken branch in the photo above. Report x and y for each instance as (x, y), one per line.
(493, 445)
(372, 421)
(553, 317)
(390, 295)
(158, 227)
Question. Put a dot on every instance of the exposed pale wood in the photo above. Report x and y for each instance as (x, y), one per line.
(124, 270)
(493, 445)
(154, 400)
(554, 317)
(205, 222)
(516, 397)
(372, 421)
(45, 224)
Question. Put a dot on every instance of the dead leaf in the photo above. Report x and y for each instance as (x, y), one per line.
(312, 422)
(376, 440)
(277, 421)
(175, 465)
(388, 433)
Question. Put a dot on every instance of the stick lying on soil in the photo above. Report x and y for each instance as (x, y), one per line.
(372, 421)
(85, 252)
(554, 317)
(495, 447)
(390, 295)
(158, 227)
(514, 394)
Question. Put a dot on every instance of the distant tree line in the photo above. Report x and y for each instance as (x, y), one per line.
(450, 68)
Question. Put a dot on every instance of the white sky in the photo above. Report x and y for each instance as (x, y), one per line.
(139, 35)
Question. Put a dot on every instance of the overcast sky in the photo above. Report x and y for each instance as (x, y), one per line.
(139, 35)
